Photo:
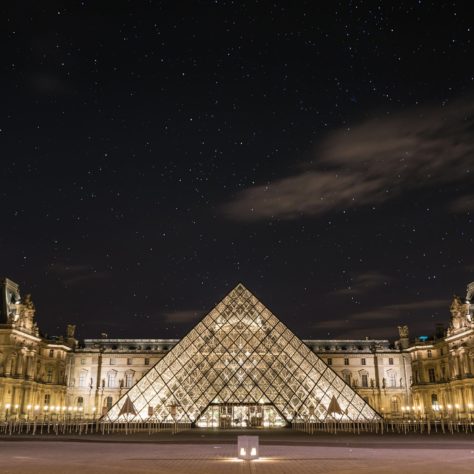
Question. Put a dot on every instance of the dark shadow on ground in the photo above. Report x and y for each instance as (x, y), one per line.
(275, 437)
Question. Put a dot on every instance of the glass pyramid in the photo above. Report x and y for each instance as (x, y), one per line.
(240, 355)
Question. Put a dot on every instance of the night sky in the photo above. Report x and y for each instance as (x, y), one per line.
(155, 154)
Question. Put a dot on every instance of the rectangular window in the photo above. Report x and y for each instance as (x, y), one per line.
(49, 374)
(362, 361)
(431, 375)
(83, 361)
(390, 361)
(147, 361)
(111, 380)
(346, 361)
(112, 361)
(128, 380)
(82, 378)
(47, 399)
(365, 380)
(429, 353)
(51, 353)
(329, 361)
(129, 361)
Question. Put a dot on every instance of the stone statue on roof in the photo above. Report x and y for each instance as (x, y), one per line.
(403, 331)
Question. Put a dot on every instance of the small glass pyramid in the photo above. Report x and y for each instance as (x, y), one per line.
(241, 361)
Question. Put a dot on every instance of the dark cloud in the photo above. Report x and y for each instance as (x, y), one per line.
(400, 310)
(463, 204)
(381, 321)
(370, 163)
(183, 316)
(364, 283)
(48, 84)
(74, 274)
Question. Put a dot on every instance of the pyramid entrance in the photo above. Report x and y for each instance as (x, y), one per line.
(235, 415)
(241, 367)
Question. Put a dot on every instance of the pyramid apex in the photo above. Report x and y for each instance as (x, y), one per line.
(241, 289)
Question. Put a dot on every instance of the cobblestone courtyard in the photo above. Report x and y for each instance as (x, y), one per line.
(202, 454)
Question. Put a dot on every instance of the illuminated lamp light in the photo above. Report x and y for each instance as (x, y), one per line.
(247, 447)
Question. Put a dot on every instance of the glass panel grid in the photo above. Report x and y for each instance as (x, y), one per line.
(241, 353)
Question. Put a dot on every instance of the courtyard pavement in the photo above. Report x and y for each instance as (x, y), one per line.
(214, 452)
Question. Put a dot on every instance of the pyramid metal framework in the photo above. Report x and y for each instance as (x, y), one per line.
(240, 353)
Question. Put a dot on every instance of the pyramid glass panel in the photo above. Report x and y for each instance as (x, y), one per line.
(240, 366)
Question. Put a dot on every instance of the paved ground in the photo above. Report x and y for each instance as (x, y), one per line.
(206, 452)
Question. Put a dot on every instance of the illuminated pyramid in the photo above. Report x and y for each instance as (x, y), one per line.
(240, 356)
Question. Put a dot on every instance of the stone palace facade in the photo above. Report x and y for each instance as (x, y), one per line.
(39, 377)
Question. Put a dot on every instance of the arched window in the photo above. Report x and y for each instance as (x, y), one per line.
(80, 401)
(434, 402)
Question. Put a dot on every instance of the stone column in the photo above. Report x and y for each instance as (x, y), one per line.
(452, 365)
(460, 365)
(467, 363)
(31, 374)
(19, 365)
